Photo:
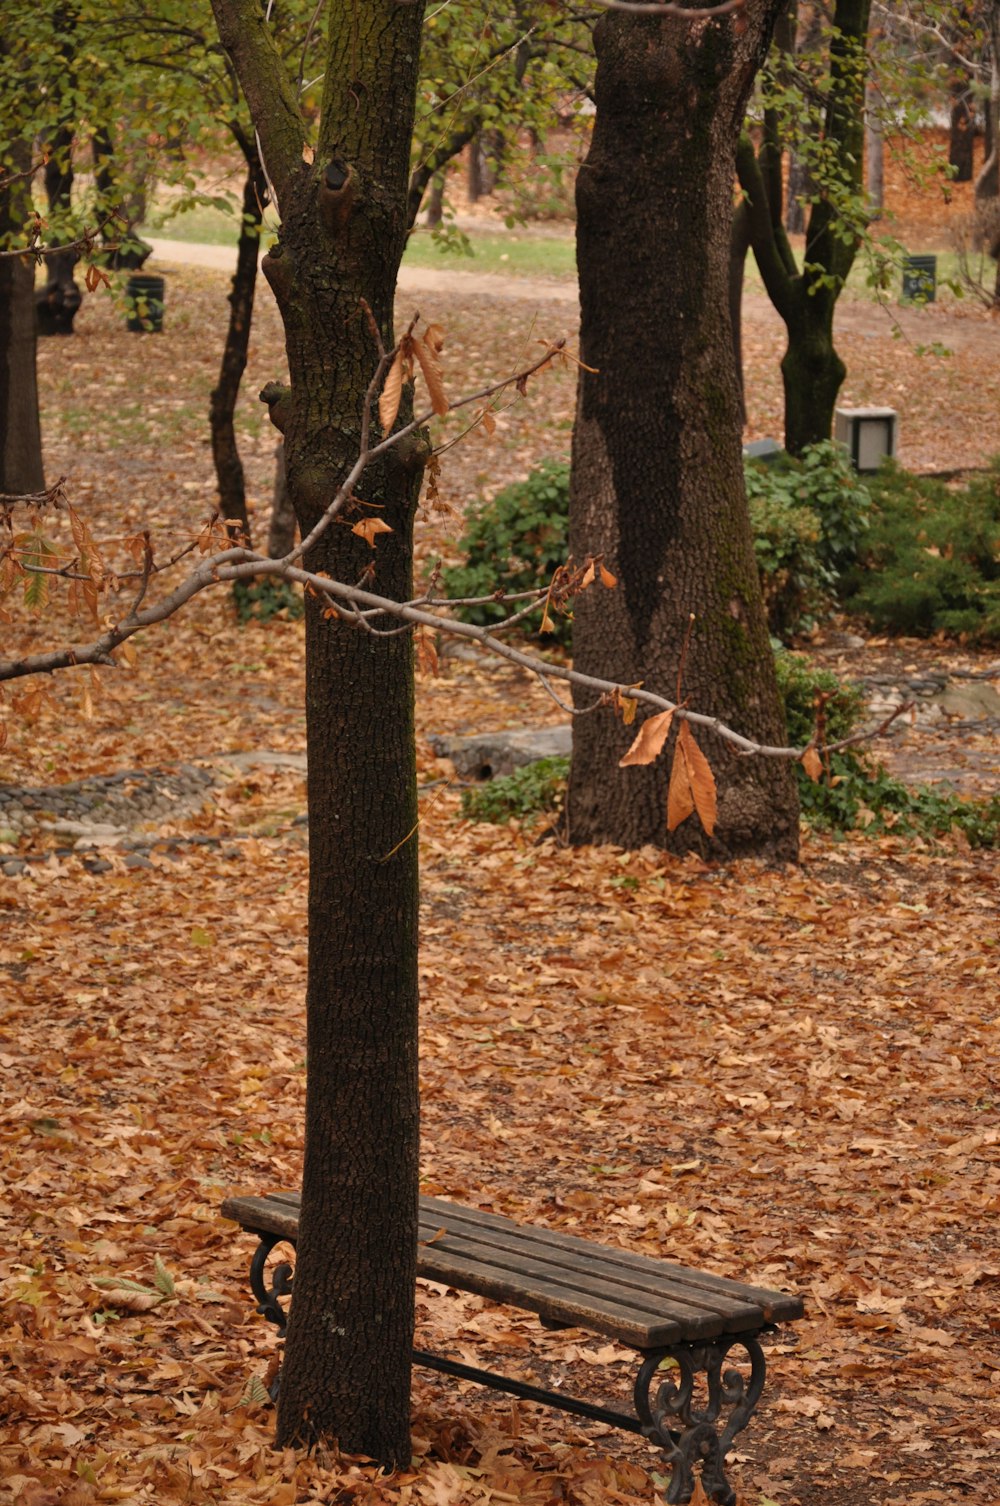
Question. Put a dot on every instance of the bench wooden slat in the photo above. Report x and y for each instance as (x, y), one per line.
(773, 1304)
(638, 1300)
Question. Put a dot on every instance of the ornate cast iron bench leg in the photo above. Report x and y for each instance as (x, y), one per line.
(267, 1296)
(664, 1403)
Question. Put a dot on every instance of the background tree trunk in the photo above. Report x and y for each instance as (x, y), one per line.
(20, 430)
(657, 479)
(222, 405)
(874, 151)
(811, 369)
(346, 1376)
(281, 533)
(962, 130)
(59, 300)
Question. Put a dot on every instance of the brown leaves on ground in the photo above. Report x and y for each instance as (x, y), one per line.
(787, 1076)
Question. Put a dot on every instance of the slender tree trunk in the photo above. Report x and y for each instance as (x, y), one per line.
(874, 152)
(435, 202)
(346, 1376)
(988, 180)
(281, 533)
(20, 430)
(474, 174)
(222, 407)
(811, 369)
(59, 300)
(657, 477)
(962, 131)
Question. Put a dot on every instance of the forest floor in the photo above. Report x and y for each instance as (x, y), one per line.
(784, 1075)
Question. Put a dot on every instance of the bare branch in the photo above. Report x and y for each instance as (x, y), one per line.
(355, 605)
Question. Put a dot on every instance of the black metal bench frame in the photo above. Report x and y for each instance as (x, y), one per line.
(674, 1354)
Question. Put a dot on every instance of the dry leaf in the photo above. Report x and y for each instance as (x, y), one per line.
(649, 743)
(392, 392)
(131, 1301)
(369, 528)
(607, 579)
(813, 764)
(426, 352)
(308, 154)
(680, 800)
(700, 777)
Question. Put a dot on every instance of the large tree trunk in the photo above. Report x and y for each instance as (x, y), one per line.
(346, 1376)
(222, 406)
(657, 480)
(20, 430)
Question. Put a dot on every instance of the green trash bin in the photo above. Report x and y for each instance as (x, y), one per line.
(144, 304)
(919, 279)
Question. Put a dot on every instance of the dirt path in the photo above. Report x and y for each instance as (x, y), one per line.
(935, 365)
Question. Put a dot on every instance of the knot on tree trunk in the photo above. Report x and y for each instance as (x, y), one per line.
(336, 196)
(278, 399)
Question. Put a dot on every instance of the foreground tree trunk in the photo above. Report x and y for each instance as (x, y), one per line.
(20, 430)
(657, 480)
(346, 1375)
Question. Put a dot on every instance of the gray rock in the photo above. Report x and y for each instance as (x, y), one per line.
(489, 755)
(970, 700)
(262, 760)
(89, 833)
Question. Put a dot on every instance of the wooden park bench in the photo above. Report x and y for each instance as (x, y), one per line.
(667, 1312)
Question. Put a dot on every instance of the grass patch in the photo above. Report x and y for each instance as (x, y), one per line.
(511, 253)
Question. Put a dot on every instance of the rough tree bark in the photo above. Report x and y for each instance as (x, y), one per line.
(20, 430)
(812, 371)
(346, 1375)
(222, 404)
(657, 480)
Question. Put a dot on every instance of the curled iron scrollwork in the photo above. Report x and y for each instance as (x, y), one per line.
(688, 1434)
(267, 1292)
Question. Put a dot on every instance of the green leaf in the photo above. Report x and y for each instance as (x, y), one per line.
(164, 1280)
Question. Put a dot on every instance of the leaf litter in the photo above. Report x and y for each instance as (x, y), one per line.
(788, 1076)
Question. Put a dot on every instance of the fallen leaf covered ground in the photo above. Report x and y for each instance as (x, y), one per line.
(788, 1076)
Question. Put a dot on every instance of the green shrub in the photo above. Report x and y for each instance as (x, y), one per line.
(262, 599)
(800, 685)
(932, 563)
(527, 793)
(796, 585)
(809, 519)
(515, 543)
